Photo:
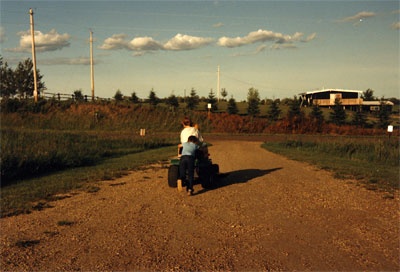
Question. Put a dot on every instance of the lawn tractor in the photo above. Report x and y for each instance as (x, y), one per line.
(206, 173)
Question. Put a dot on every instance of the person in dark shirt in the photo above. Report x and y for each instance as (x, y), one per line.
(187, 163)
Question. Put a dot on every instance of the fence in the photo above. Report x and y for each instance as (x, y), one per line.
(63, 97)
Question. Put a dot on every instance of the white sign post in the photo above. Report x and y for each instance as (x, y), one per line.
(142, 132)
(390, 130)
(209, 109)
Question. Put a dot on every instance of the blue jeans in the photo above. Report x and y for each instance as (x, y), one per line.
(187, 163)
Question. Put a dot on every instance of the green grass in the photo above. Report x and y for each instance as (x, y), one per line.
(28, 153)
(21, 197)
(373, 163)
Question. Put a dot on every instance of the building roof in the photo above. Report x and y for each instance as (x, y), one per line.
(377, 103)
(333, 90)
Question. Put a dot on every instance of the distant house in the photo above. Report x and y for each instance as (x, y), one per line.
(350, 99)
(376, 105)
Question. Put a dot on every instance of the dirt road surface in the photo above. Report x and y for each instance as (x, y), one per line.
(269, 213)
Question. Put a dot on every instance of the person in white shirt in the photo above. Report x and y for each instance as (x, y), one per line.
(189, 130)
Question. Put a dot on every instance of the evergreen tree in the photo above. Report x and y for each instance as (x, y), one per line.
(7, 82)
(173, 101)
(383, 115)
(232, 107)
(368, 95)
(153, 99)
(359, 118)
(316, 113)
(118, 96)
(273, 111)
(212, 100)
(133, 98)
(78, 95)
(294, 108)
(193, 100)
(253, 100)
(24, 80)
(224, 93)
(338, 115)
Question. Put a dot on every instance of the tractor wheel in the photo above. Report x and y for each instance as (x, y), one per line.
(173, 174)
(205, 177)
(215, 169)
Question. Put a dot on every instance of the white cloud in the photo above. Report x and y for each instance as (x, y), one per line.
(185, 42)
(259, 36)
(144, 43)
(396, 25)
(119, 41)
(277, 46)
(67, 61)
(3, 37)
(142, 53)
(218, 25)
(296, 36)
(139, 54)
(359, 16)
(43, 42)
(310, 37)
(260, 49)
(255, 52)
(177, 43)
(116, 41)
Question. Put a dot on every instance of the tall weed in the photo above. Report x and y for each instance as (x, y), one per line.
(31, 152)
(379, 151)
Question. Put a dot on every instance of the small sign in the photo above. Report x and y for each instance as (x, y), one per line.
(142, 132)
(390, 128)
(209, 105)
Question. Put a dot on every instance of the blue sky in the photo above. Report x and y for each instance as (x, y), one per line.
(281, 48)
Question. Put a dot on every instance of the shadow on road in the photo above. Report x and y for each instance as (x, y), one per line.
(239, 176)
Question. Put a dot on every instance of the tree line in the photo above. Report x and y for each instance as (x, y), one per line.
(20, 81)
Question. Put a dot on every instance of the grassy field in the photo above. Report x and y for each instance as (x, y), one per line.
(374, 162)
(37, 193)
(26, 153)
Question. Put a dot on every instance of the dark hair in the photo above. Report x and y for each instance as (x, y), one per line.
(192, 139)
(186, 121)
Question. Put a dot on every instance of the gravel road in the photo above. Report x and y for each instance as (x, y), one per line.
(269, 213)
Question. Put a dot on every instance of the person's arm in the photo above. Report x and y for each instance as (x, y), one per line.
(199, 136)
(180, 148)
(182, 135)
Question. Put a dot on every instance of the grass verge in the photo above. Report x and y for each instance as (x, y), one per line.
(374, 175)
(29, 153)
(21, 197)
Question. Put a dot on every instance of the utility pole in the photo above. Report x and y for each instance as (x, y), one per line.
(218, 85)
(35, 92)
(91, 62)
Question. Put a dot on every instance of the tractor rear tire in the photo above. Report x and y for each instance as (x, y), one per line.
(215, 169)
(205, 177)
(173, 174)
